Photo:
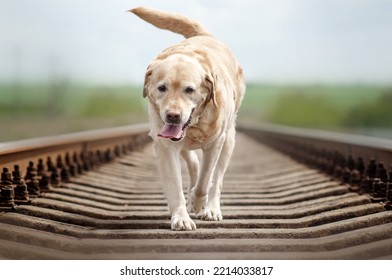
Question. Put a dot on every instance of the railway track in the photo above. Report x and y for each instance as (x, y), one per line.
(288, 194)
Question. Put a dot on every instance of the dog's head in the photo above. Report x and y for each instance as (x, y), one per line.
(179, 87)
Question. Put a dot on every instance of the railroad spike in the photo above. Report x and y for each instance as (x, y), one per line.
(72, 168)
(117, 151)
(20, 189)
(99, 158)
(6, 178)
(355, 177)
(40, 167)
(49, 164)
(91, 159)
(338, 171)
(59, 162)
(371, 170)
(65, 174)
(55, 178)
(16, 175)
(367, 184)
(382, 172)
(124, 149)
(108, 155)
(31, 180)
(390, 174)
(63, 169)
(45, 183)
(379, 189)
(346, 175)
(7, 202)
(78, 165)
(361, 166)
(388, 205)
(43, 177)
(6, 191)
(85, 163)
(351, 162)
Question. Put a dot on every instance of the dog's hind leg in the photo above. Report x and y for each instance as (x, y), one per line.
(192, 164)
(199, 193)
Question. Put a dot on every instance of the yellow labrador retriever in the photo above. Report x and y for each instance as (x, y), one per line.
(194, 90)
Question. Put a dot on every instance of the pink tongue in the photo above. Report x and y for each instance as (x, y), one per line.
(171, 131)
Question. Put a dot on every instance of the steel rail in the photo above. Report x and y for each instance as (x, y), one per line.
(22, 151)
(348, 144)
(362, 161)
(50, 160)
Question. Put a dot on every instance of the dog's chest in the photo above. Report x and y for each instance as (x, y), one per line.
(195, 137)
(199, 136)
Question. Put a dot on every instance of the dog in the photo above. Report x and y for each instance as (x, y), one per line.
(194, 91)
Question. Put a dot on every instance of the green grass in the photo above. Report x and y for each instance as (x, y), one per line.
(41, 100)
(321, 106)
(33, 110)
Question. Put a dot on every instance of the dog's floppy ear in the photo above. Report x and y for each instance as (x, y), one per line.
(210, 82)
(146, 80)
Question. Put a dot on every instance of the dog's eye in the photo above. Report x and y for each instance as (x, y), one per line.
(162, 88)
(189, 90)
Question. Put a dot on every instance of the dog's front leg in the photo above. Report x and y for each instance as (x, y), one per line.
(170, 173)
(199, 194)
(212, 211)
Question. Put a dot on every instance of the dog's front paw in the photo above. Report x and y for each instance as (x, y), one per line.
(182, 222)
(211, 214)
(196, 203)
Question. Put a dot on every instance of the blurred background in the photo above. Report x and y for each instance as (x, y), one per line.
(68, 65)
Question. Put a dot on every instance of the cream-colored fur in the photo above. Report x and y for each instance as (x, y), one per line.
(200, 84)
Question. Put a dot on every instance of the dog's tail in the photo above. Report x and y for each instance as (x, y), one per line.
(170, 21)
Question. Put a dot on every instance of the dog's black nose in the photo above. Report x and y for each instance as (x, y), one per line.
(173, 117)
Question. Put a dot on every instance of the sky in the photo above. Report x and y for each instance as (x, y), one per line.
(275, 41)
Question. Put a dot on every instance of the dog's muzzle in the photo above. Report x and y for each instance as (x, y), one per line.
(174, 131)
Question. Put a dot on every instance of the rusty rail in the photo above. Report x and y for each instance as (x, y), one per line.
(50, 160)
(18, 152)
(363, 162)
